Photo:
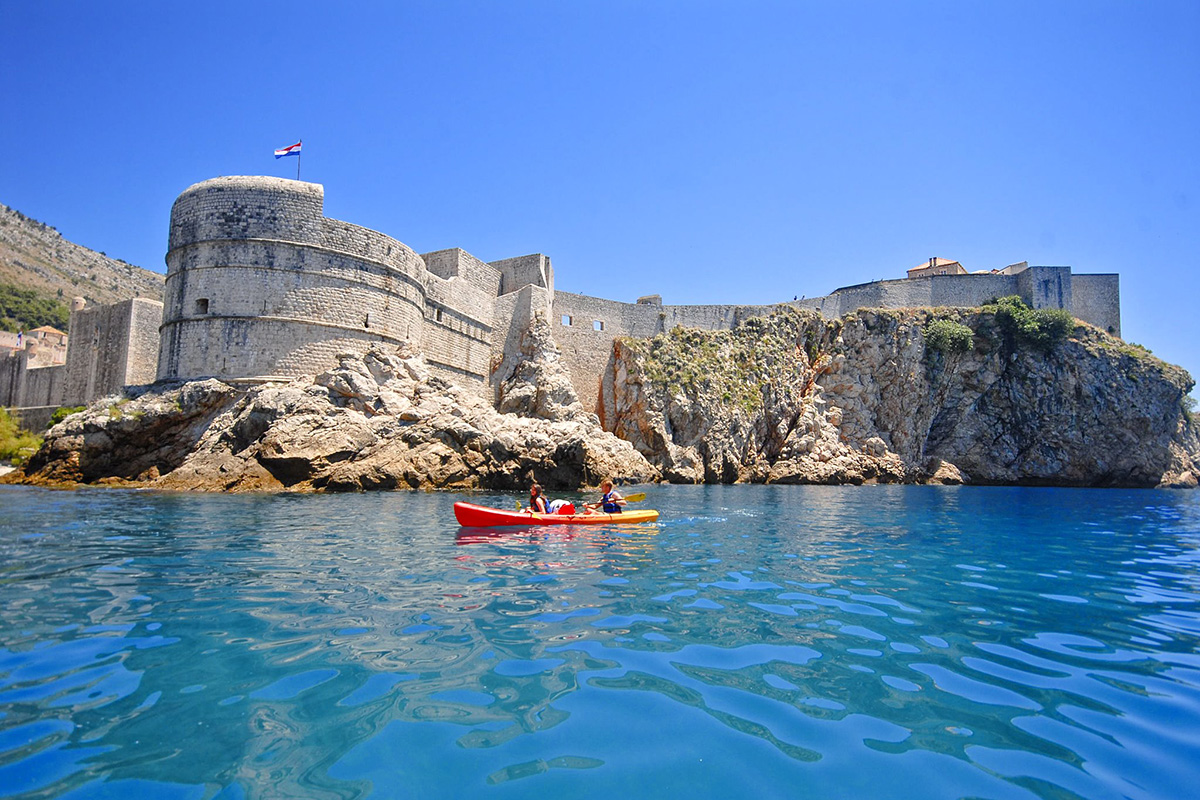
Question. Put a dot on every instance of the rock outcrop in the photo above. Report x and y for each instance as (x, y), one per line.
(377, 421)
(796, 398)
(946, 396)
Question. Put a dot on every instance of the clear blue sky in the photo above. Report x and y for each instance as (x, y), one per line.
(709, 152)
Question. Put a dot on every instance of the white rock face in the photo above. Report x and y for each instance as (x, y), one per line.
(378, 421)
(799, 399)
(793, 398)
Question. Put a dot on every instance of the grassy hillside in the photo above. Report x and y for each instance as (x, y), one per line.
(25, 309)
(34, 257)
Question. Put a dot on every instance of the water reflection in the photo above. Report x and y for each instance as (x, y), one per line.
(905, 641)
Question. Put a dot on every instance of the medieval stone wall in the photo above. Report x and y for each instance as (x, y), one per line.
(260, 284)
(1097, 299)
(23, 385)
(111, 347)
(1091, 298)
(585, 327)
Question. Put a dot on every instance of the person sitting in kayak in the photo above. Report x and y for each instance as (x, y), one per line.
(537, 500)
(610, 502)
(539, 504)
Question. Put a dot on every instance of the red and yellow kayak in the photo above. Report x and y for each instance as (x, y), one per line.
(470, 515)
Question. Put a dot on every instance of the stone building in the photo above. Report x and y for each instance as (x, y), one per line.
(110, 347)
(261, 285)
(937, 266)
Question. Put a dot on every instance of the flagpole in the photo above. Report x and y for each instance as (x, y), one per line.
(299, 156)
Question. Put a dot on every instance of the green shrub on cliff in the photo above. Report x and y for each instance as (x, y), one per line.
(16, 445)
(1042, 328)
(25, 309)
(63, 412)
(734, 367)
(948, 336)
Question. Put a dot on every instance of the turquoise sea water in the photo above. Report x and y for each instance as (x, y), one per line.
(876, 642)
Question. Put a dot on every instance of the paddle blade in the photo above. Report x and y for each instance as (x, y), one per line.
(635, 498)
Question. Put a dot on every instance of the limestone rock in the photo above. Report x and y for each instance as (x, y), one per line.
(377, 421)
(796, 398)
(540, 385)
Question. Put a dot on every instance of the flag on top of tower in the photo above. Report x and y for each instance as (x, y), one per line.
(292, 150)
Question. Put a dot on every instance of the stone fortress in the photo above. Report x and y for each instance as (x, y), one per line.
(262, 286)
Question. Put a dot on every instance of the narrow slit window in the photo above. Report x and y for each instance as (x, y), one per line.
(202, 305)
(566, 320)
(597, 325)
(438, 314)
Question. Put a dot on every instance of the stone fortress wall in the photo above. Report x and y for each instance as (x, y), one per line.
(109, 347)
(262, 286)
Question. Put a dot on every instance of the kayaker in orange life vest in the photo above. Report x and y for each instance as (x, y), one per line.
(610, 502)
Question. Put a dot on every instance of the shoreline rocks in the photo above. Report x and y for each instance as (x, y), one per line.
(796, 398)
(792, 399)
(378, 421)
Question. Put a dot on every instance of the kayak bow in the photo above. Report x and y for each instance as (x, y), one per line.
(470, 515)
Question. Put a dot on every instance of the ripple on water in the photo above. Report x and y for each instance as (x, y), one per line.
(906, 641)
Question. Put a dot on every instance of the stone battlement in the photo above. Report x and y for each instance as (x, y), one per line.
(261, 285)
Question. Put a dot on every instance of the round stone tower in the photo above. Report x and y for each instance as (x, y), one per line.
(261, 285)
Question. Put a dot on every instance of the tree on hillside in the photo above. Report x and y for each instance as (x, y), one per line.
(26, 309)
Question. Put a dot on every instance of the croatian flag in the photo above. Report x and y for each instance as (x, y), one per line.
(293, 150)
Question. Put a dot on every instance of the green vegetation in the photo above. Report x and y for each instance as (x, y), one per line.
(16, 445)
(1042, 328)
(735, 366)
(62, 413)
(948, 336)
(25, 309)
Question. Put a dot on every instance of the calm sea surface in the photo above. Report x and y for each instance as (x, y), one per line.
(875, 642)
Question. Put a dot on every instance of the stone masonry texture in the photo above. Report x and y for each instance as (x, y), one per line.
(261, 285)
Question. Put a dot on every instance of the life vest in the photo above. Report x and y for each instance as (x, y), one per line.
(608, 505)
(539, 504)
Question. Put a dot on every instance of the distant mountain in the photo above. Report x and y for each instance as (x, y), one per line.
(35, 256)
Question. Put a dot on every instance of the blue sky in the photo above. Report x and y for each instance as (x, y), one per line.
(709, 152)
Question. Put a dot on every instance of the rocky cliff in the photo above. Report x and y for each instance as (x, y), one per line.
(377, 421)
(998, 395)
(890, 396)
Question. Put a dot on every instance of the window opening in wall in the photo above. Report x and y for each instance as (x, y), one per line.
(566, 320)
(367, 321)
(438, 314)
(597, 325)
(202, 305)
